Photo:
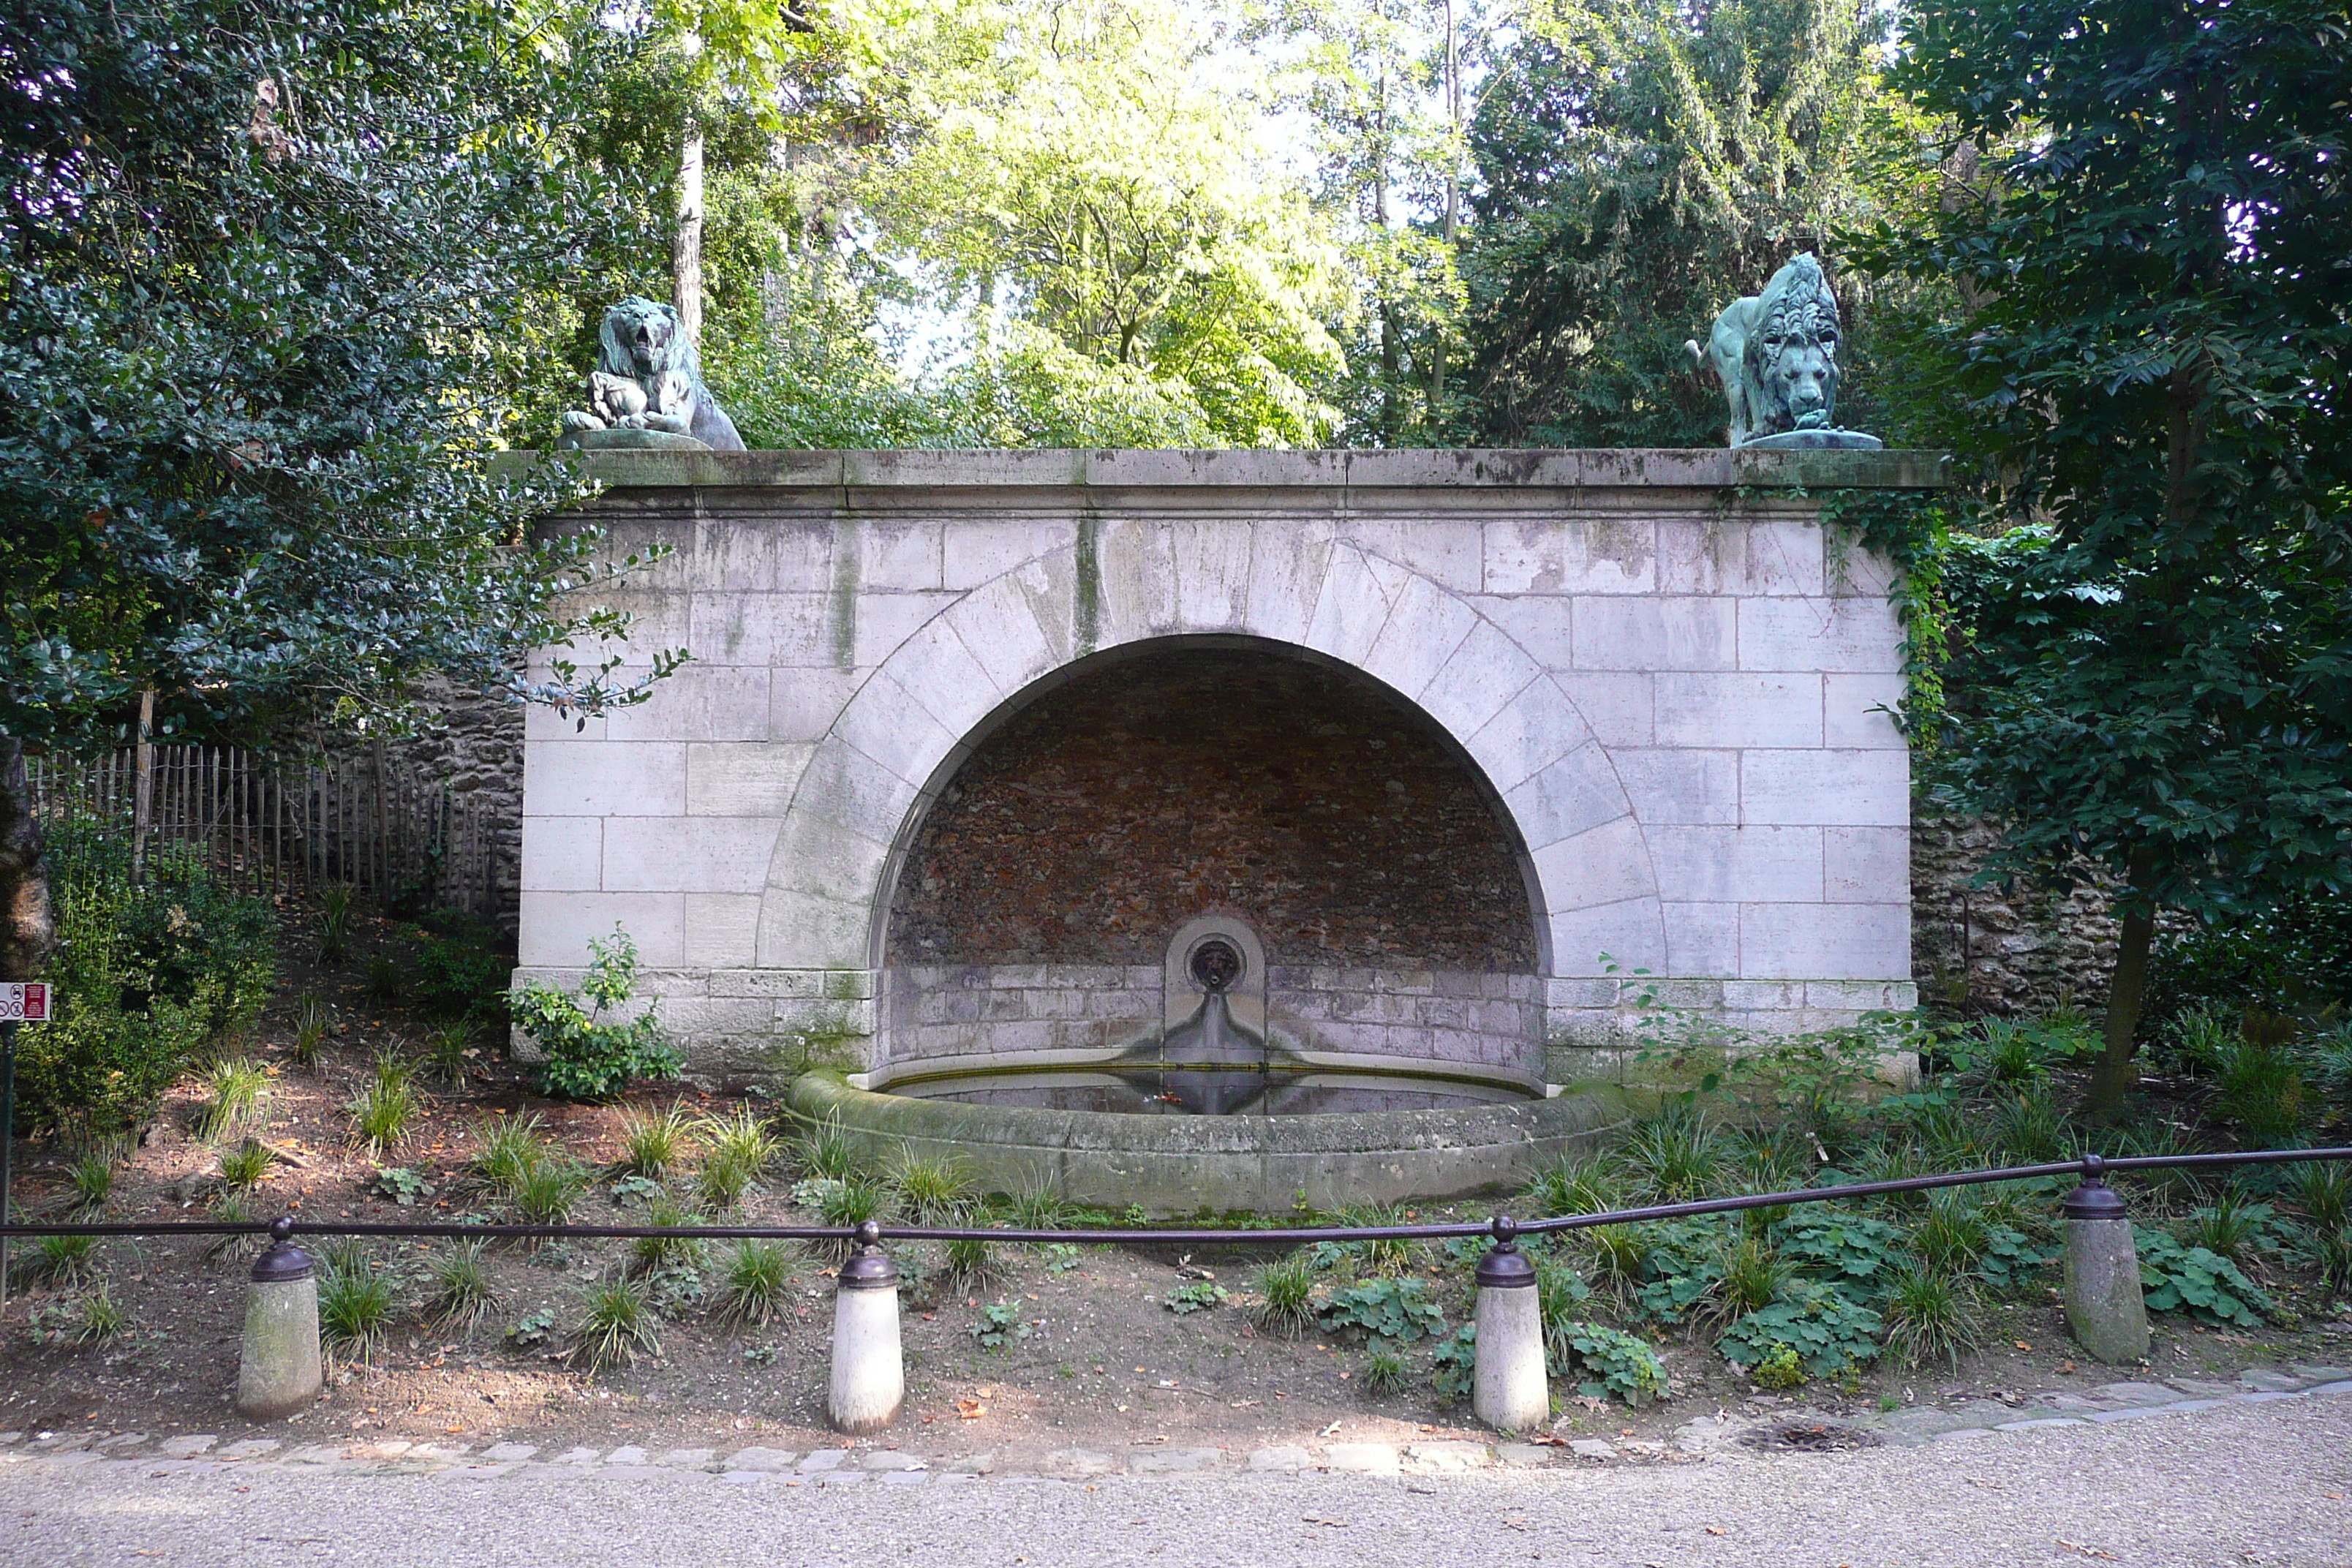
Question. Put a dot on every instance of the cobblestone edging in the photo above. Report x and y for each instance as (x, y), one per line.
(137, 1455)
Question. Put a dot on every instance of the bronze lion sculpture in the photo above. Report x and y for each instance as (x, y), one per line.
(1776, 355)
(648, 377)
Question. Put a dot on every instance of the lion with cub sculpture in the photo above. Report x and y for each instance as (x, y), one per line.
(647, 388)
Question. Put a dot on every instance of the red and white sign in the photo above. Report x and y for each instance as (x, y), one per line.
(24, 1002)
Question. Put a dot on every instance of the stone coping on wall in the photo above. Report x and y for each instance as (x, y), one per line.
(1182, 1165)
(915, 1069)
(1577, 468)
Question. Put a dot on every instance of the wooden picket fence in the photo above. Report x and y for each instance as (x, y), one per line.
(366, 822)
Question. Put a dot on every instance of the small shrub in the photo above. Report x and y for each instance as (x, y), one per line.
(651, 1254)
(1929, 1313)
(387, 978)
(751, 1287)
(932, 1191)
(505, 1147)
(92, 1179)
(1386, 1373)
(547, 1187)
(335, 916)
(311, 1022)
(233, 1091)
(1286, 1290)
(1829, 1330)
(382, 1111)
(589, 1057)
(1610, 1364)
(1399, 1310)
(462, 1293)
(356, 1302)
(1061, 1257)
(533, 1329)
(243, 1167)
(1194, 1295)
(998, 1326)
(616, 1321)
(459, 966)
(969, 1264)
(653, 1146)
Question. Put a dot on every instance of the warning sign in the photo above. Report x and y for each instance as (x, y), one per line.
(25, 1002)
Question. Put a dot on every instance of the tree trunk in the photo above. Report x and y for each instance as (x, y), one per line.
(2117, 1070)
(1453, 207)
(685, 249)
(27, 925)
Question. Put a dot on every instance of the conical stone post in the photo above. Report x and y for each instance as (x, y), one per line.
(870, 1375)
(2104, 1305)
(278, 1371)
(1508, 1391)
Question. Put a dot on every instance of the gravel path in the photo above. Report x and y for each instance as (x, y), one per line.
(2236, 1483)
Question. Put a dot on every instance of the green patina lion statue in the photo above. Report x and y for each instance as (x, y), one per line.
(1776, 355)
(647, 389)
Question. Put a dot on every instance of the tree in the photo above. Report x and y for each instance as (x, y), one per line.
(264, 263)
(1641, 164)
(2152, 664)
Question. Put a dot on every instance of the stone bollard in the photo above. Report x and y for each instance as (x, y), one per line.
(1507, 1388)
(2104, 1306)
(869, 1377)
(278, 1372)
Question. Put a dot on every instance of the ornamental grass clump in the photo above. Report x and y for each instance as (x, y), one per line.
(651, 1146)
(1929, 1313)
(547, 1187)
(752, 1284)
(932, 1191)
(504, 1148)
(382, 1111)
(356, 1302)
(738, 1150)
(462, 1291)
(616, 1322)
(93, 1180)
(1285, 1292)
(243, 1167)
(311, 1020)
(651, 1254)
(1673, 1156)
(233, 1090)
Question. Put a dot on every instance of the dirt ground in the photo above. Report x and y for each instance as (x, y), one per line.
(1104, 1363)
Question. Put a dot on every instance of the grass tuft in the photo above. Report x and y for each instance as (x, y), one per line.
(505, 1147)
(355, 1299)
(1929, 1315)
(751, 1289)
(233, 1091)
(381, 1112)
(1286, 1290)
(737, 1152)
(653, 1146)
(932, 1191)
(243, 1167)
(616, 1321)
(462, 1292)
(311, 1021)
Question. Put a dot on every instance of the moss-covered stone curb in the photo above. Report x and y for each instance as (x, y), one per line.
(1182, 1165)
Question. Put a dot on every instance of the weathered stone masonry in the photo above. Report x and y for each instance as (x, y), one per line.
(1660, 683)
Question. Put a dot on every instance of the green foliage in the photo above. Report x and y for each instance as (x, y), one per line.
(651, 1146)
(1829, 1330)
(2176, 1279)
(233, 1090)
(2228, 1228)
(1392, 1309)
(969, 1264)
(1849, 1249)
(932, 1191)
(589, 1057)
(356, 1302)
(1386, 1373)
(751, 1286)
(1930, 1313)
(1285, 1292)
(284, 253)
(1061, 1257)
(2011, 1260)
(449, 1052)
(1194, 1295)
(382, 1110)
(1638, 167)
(335, 914)
(823, 1149)
(1610, 1362)
(92, 1320)
(459, 966)
(1039, 1208)
(2148, 605)
(616, 1322)
(2324, 1190)
(146, 977)
(1453, 1363)
(311, 1022)
(505, 1147)
(998, 1326)
(1752, 1275)
(1782, 1369)
(533, 1329)
(462, 1292)
(1673, 1156)
(92, 1177)
(1572, 1187)
(64, 1260)
(545, 1186)
(2262, 1091)
(243, 1167)
(853, 1202)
